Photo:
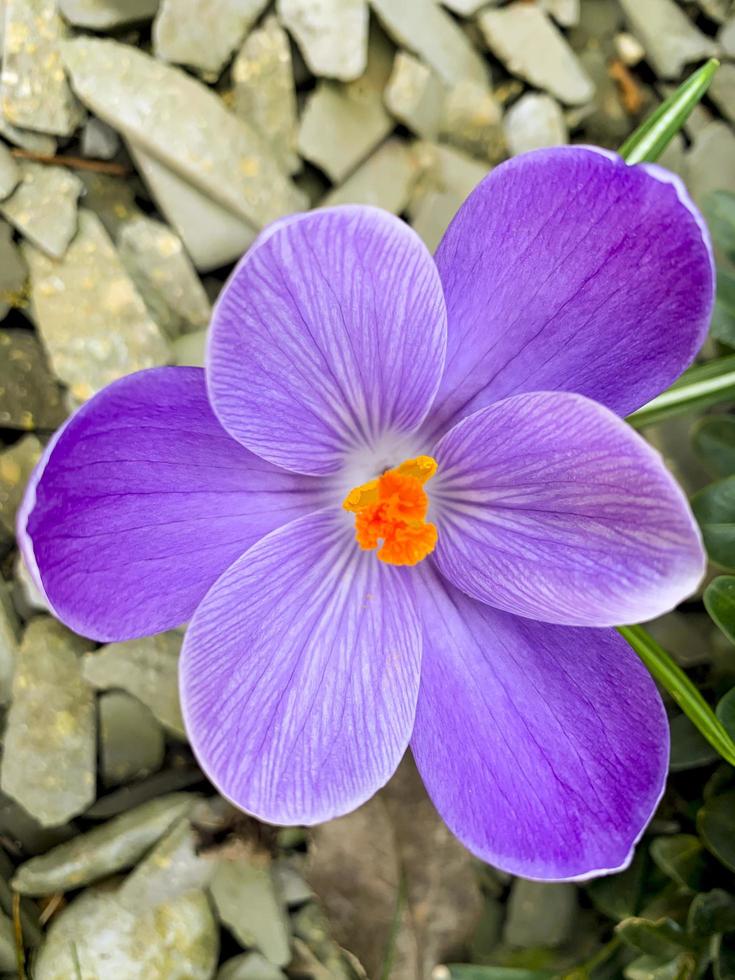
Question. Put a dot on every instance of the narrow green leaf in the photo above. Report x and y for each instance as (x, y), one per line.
(713, 439)
(700, 386)
(719, 600)
(681, 689)
(652, 137)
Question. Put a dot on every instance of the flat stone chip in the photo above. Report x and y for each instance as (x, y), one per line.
(534, 121)
(524, 38)
(44, 206)
(9, 172)
(17, 462)
(331, 35)
(102, 15)
(91, 318)
(670, 38)
(13, 278)
(48, 764)
(131, 740)
(415, 95)
(194, 133)
(35, 92)
(384, 180)
(180, 35)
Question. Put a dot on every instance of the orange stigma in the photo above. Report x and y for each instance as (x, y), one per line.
(393, 509)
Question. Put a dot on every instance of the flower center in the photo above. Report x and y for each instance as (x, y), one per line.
(393, 509)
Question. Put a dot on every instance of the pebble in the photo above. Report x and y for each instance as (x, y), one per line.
(540, 914)
(96, 938)
(103, 15)
(669, 37)
(430, 32)
(194, 135)
(710, 163)
(99, 141)
(726, 38)
(472, 120)
(35, 92)
(92, 320)
(28, 598)
(8, 955)
(384, 180)
(523, 37)
(565, 12)
(246, 901)
(13, 279)
(178, 33)
(48, 765)
(331, 35)
(111, 199)
(722, 90)
(466, 8)
(131, 740)
(102, 851)
(629, 49)
(27, 139)
(146, 668)
(249, 966)
(25, 833)
(263, 90)
(156, 261)
(9, 172)
(212, 234)
(9, 637)
(535, 121)
(17, 462)
(189, 349)
(44, 206)
(415, 95)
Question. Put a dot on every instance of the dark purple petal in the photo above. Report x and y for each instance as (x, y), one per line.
(329, 334)
(544, 748)
(300, 673)
(141, 503)
(550, 506)
(567, 269)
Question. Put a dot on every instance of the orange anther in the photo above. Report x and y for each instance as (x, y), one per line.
(393, 509)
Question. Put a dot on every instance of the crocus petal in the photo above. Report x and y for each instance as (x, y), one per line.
(550, 506)
(142, 501)
(330, 333)
(567, 269)
(299, 674)
(544, 748)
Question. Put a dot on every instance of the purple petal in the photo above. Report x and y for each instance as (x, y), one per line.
(299, 674)
(329, 334)
(544, 748)
(551, 507)
(142, 501)
(568, 269)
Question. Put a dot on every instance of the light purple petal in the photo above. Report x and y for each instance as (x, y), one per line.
(142, 501)
(544, 748)
(299, 674)
(550, 506)
(330, 333)
(567, 269)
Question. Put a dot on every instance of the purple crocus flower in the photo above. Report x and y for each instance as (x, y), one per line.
(394, 514)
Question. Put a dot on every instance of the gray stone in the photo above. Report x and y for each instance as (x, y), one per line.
(25, 832)
(447, 178)
(717, 10)
(263, 90)
(194, 134)
(8, 955)
(48, 764)
(9, 172)
(146, 668)
(28, 598)
(102, 851)
(629, 49)
(472, 121)
(13, 276)
(565, 12)
(203, 33)
(247, 903)
(722, 90)
(181, 775)
(17, 462)
(172, 868)
(92, 320)
(670, 38)
(44, 206)
(35, 93)
(101, 15)
(540, 914)
(111, 199)
(131, 740)
(290, 884)
(95, 938)
(415, 95)
(524, 38)
(384, 180)
(710, 163)
(425, 28)
(189, 349)
(27, 139)
(466, 8)
(342, 124)
(331, 34)
(157, 263)
(99, 141)
(9, 637)
(212, 234)
(726, 38)
(249, 966)
(534, 121)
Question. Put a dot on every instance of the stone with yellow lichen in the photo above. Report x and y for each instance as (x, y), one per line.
(13, 273)
(48, 764)
(16, 465)
(472, 120)
(131, 740)
(92, 320)
(178, 33)
(35, 92)
(415, 95)
(331, 35)
(384, 180)
(43, 207)
(9, 172)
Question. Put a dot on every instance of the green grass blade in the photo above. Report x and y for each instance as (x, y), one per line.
(652, 137)
(700, 386)
(681, 689)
